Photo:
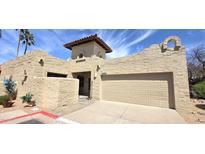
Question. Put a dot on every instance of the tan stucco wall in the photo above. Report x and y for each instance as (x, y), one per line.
(86, 49)
(89, 49)
(89, 65)
(51, 64)
(53, 93)
(16, 69)
(30, 64)
(99, 51)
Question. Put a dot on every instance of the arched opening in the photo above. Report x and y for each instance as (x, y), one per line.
(171, 44)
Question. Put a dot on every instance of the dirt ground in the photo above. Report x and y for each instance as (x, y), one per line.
(59, 111)
(194, 114)
(21, 106)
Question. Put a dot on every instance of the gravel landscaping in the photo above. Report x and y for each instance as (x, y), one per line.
(196, 112)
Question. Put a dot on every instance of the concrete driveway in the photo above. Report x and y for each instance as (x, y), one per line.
(106, 112)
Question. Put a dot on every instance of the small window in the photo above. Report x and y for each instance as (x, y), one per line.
(57, 75)
(80, 55)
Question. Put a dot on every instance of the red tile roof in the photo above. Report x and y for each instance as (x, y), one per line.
(89, 39)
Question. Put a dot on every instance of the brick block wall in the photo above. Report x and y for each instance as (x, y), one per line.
(53, 93)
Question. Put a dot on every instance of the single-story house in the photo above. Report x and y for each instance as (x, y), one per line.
(156, 76)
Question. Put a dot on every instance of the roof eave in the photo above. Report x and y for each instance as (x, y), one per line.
(107, 49)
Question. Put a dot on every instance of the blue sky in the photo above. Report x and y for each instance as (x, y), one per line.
(123, 41)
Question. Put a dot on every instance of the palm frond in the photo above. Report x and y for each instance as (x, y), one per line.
(26, 38)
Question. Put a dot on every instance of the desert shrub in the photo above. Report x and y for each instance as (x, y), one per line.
(4, 99)
(10, 87)
(199, 89)
(27, 98)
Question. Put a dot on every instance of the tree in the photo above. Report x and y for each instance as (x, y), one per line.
(199, 55)
(196, 63)
(27, 38)
(195, 72)
(21, 32)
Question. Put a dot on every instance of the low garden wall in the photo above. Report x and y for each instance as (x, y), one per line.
(53, 93)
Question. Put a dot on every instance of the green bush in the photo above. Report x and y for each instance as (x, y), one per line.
(199, 89)
(4, 99)
(27, 98)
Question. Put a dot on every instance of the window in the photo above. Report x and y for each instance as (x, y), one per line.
(80, 55)
(58, 75)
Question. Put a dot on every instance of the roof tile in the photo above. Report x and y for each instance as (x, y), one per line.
(89, 39)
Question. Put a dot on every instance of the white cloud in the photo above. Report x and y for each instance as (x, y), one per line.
(8, 45)
(123, 40)
(147, 34)
(118, 52)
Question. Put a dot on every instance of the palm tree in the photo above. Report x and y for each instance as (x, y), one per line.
(21, 32)
(27, 38)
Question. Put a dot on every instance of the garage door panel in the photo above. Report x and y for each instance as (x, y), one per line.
(145, 89)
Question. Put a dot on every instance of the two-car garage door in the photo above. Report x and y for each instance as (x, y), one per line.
(154, 89)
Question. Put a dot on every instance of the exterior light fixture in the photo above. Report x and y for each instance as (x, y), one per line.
(95, 76)
(98, 67)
